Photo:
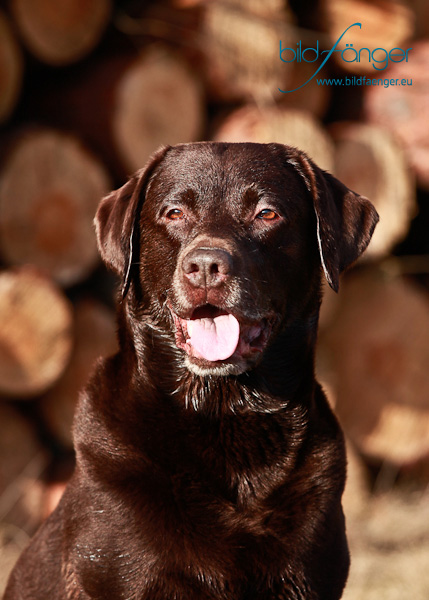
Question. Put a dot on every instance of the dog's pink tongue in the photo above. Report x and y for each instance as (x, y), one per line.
(214, 339)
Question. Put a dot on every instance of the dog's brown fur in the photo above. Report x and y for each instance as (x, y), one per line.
(200, 479)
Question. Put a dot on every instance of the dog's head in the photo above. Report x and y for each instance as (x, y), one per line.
(224, 245)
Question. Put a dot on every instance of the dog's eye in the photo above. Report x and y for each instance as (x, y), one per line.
(267, 215)
(175, 214)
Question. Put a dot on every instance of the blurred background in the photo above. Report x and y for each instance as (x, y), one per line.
(88, 90)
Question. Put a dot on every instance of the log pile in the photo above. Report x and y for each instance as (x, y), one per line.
(88, 90)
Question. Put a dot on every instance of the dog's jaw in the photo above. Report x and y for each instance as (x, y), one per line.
(220, 369)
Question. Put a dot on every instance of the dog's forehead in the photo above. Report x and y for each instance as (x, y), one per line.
(228, 165)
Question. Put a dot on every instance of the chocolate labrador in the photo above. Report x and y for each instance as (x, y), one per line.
(209, 464)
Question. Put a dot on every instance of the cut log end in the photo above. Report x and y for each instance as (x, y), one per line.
(49, 192)
(369, 161)
(61, 32)
(241, 41)
(280, 125)
(158, 101)
(378, 348)
(377, 26)
(35, 332)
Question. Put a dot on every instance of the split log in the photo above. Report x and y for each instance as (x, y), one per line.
(369, 161)
(11, 69)
(61, 32)
(378, 354)
(385, 25)
(50, 188)
(404, 109)
(35, 332)
(281, 125)
(94, 336)
(125, 106)
(241, 45)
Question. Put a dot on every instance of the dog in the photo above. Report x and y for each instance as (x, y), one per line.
(209, 465)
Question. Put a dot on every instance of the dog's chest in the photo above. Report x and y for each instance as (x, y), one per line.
(205, 519)
(212, 544)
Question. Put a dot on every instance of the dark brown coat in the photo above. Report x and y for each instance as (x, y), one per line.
(209, 467)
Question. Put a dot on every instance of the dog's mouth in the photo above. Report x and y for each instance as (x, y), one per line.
(215, 335)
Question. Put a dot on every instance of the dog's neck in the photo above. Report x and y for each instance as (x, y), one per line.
(284, 375)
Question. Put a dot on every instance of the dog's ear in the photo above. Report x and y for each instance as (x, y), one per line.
(117, 219)
(345, 220)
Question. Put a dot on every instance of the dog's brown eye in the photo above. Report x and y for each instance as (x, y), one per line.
(175, 214)
(267, 215)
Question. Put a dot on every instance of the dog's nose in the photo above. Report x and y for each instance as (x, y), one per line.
(207, 267)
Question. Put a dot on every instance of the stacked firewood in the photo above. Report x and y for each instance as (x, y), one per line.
(89, 90)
